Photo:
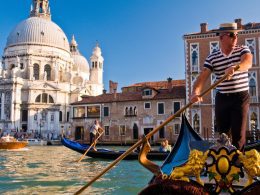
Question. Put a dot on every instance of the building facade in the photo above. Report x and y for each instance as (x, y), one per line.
(42, 73)
(128, 115)
(197, 47)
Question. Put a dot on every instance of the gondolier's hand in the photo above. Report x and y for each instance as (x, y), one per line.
(195, 98)
(230, 72)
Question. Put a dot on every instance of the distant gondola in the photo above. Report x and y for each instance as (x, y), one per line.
(109, 154)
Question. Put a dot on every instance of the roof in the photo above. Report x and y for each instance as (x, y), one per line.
(177, 92)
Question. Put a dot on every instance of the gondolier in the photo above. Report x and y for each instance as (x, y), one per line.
(93, 133)
(232, 98)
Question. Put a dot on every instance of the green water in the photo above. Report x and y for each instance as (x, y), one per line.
(54, 170)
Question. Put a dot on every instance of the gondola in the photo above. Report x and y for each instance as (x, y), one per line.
(205, 168)
(103, 153)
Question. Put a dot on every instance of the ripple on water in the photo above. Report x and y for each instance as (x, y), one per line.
(54, 170)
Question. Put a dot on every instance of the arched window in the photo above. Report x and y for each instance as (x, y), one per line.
(12, 66)
(38, 98)
(36, 71)
(135, 111)
(131, 111)
(196, 123)
(252, 87)
(44, 98)
(194, 58)
(47, 69)
(135, 131)
(50, 99)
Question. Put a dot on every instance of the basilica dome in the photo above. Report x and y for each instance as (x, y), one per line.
(39, 31)
(80, 62)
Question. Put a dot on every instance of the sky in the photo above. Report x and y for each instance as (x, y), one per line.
(141, 40)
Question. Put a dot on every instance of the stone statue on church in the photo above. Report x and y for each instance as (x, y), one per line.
(45, 76)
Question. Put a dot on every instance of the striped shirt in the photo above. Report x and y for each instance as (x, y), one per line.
(218, 62)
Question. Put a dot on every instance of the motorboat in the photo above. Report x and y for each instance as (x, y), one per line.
(9, 142)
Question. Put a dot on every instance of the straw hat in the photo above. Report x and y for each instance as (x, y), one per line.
(228, 27)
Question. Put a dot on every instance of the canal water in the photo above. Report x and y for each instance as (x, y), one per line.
(54, 170)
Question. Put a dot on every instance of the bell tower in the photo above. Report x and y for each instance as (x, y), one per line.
(40, 8)
(96, 71)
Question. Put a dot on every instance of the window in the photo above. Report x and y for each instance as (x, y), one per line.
(60, 116)
(106, 111)
(68, 116)
(176, 129)
(252, 87)
(160, 108)
(47, 69)
(106, 130)
(162, 132)
(176, 107)
(122, 130)
(147, 92)
(196, 123)
(135, 131)
(24, 115)
(21, 66)
(52, 117)
(93, 111)
(147, 105)
(214, 46)
(194, 57)
(79, 111)
(251, 44)
(44, 98)
(36, 71)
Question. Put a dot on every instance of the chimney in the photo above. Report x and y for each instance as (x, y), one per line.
(203, 27)
(169, 84)
(113, 87)
(104, 91)
(239, 23)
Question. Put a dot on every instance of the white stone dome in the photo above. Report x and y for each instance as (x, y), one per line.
(36, 30)
(80, 62)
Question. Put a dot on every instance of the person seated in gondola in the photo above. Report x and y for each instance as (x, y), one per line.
(165, 146)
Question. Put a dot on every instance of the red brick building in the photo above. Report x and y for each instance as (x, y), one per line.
(128, 115)
(197, 47)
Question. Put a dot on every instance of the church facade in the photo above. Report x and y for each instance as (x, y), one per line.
(42, 74)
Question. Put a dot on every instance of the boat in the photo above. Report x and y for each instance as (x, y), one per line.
(36, 142)
(197, 167)
(9, 143)
(103, 153)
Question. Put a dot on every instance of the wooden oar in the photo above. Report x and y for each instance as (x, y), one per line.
(150, 134)
(91, 145)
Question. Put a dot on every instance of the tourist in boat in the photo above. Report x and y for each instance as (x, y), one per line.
(165, 146)
(94, 131)
(232, 97)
